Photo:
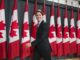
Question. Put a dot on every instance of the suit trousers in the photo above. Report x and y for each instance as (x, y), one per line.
(44, 55)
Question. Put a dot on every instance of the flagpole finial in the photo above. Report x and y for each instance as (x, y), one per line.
(44, 1)
(53, 2)
(78, 4)
(58, 1)
(66, 2)
(36, 1)
(72, 3)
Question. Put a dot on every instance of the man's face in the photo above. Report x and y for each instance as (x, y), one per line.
(39, 16)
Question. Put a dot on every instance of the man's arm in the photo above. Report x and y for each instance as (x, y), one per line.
(43, 36)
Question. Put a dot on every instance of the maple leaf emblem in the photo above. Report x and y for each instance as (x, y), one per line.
(14, 25)
(78, 33)
(2, 25)
(65, 35)
(72, 31)
(1, 35)
(33, 30)
(24, 34)
(25, 27)
(52, 29)
(13, 33)
(59, 32)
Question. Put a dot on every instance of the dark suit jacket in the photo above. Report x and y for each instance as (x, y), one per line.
(42, 43)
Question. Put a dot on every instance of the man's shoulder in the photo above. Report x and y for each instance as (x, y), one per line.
(45, 23)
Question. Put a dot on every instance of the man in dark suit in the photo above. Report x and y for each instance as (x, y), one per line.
(41, 44)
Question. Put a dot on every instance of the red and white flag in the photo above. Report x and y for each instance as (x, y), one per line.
(66, 44)
(78, 33)
(13, 48)
(2, 32)
(25, 52)
(59, 34)
(44, 11)
(73, 48)
(34, 24)
(52, 32)
(34, 27)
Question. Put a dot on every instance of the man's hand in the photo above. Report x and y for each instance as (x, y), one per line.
(28, 45)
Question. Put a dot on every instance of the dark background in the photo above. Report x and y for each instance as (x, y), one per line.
(21, 3)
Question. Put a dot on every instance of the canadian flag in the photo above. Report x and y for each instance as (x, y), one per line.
(13, 49)
(44, 11)
(72, 34)
(2, 32)
(59, 34)
(25, 52)
(52, 32)
(34, 24)
(78, 33)
(66, 44)
(34, 28)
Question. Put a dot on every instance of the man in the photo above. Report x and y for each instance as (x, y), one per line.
(41, 44)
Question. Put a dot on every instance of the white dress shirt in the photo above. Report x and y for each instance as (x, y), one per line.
(39, 22)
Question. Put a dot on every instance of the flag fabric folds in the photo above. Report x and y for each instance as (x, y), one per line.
(78, 33)
(59, 34)
(72, 34)
(52, 32)
(33, 28)
(14, 47)
(34, 24)
(64, 40)
(66, 44)
(25, 52)
(2, 31)
(44, 11)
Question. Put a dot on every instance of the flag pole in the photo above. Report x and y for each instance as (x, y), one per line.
(53, 3)
(0, 1)
(58, 2)
(35, 5)
(66, 2)
(44, 2)
(72, 4)
(27, 1)
(44, 6)
(36, 1)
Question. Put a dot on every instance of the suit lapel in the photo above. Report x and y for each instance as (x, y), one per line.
(38, 29)
(40, 24)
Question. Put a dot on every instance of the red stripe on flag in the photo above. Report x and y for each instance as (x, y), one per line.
(73, 48)
(52, 32)
(25, 52)
(59, 34)
(78, 33)
(13, 50)
(78, 49)
(66, 43)
(33, 28)
(2, 50)
(2, 34)
(54, 49)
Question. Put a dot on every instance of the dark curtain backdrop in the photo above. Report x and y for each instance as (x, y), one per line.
(21, 5)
